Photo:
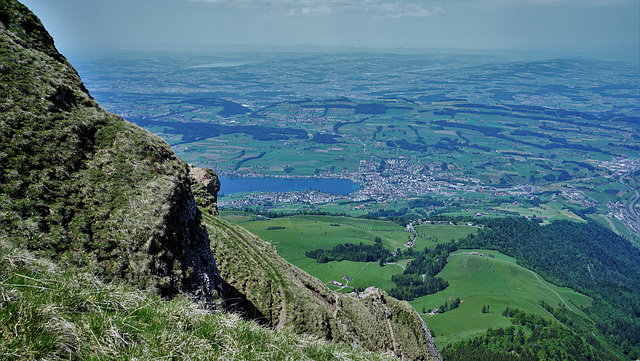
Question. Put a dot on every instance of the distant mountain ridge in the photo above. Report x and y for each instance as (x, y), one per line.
(93, 192)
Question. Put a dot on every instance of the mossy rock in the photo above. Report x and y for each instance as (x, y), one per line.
(86, 187)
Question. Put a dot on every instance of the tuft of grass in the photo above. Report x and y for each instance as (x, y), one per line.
(49, 312)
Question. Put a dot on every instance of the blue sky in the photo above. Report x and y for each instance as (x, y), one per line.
(565, 25)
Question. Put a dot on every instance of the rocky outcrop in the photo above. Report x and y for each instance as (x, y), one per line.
(85, 187)
(88, 189)
(205, 188)
(260, 284)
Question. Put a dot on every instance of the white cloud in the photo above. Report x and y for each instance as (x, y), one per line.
(379, 9)
(399, 10)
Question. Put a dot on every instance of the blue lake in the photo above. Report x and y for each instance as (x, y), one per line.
(238, 185)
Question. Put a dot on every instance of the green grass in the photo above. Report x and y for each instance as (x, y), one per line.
(362, 274)
(495, 282)
(445, 232)
(367, 224)
(47, 312)
(305, 233)
(622, 230)
(550, 211)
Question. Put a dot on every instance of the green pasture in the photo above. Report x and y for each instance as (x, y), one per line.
(366, 224)
(601, 197)
(494, 282)
(551, 210)
(362, 274)
(305, 233)
(445, 232)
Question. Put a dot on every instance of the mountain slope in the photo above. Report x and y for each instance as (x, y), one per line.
(98, 195)
(263, 285)
(51, 313)
(82, 185)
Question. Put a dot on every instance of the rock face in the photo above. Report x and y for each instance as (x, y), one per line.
(206, 188)
(263, 286)
(84, 186)
(88, 189)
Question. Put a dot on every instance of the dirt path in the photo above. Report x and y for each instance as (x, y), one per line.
(398, 264)
(379, 300)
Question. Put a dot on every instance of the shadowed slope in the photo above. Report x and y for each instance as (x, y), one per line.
(265, 286)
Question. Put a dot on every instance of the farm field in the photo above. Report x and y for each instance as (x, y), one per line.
(295, 235)
(547, 212)
(445, 232)
(422, 134)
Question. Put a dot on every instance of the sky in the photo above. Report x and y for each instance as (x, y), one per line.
(551, 25)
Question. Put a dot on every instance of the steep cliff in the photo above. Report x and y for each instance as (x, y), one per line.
(205, 188)
(85, 187)
(262, 285)
(103, 197)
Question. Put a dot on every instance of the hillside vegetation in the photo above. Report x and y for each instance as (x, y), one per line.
(84, 186)
(50, 312)
(567, 280)
(272, 290)
(104, 248)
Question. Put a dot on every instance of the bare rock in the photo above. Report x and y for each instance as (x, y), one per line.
(206, 187)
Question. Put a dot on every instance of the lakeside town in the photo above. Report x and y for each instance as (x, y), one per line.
(402, 179)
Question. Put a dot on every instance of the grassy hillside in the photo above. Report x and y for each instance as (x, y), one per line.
(493, 280)
(496, 282)
(293, 236)
(52, 312)
(263, 285)
(83, 186)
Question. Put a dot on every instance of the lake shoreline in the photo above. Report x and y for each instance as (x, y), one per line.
(233, 185)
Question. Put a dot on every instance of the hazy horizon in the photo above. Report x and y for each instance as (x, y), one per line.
(589, 27)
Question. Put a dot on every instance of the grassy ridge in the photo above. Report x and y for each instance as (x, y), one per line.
(48, 312)
(286, 297)
(497, 281)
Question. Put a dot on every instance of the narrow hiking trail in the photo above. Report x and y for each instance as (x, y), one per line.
(378, 299)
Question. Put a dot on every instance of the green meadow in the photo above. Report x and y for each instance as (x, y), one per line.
(549, 211)
(493, 280)
(496, 282)
(295, 235)
(445, 232)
